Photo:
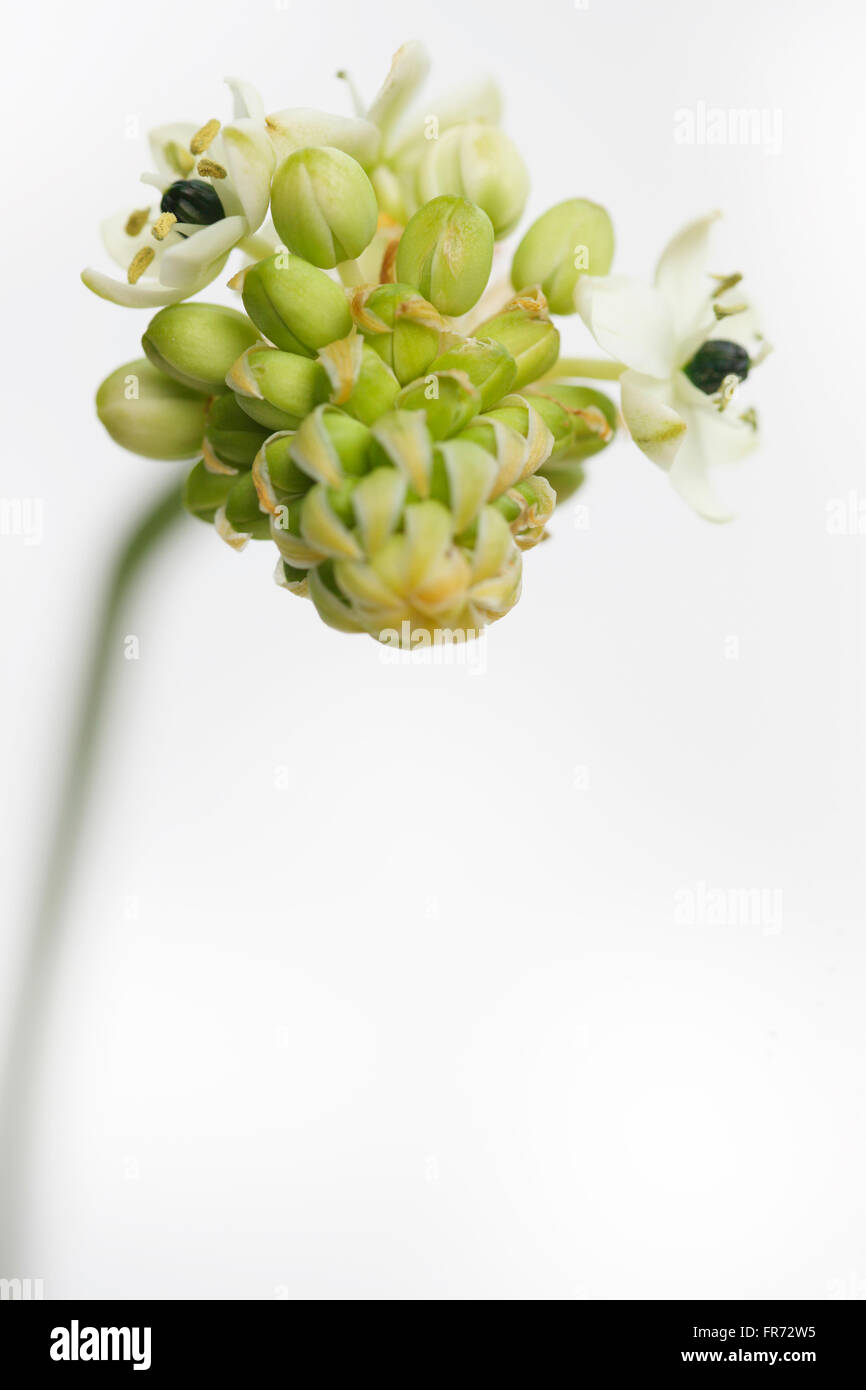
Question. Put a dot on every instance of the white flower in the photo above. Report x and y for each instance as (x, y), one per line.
(687, 342)
(218, 179)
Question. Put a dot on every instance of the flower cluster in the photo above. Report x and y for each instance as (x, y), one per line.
(392, 415)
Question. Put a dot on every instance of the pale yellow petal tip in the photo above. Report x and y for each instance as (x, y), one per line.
(214, 464)
(237, 540)
(240, 378)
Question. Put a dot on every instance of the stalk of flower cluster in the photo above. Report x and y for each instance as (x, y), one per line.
(589, 368)
(25, 1052)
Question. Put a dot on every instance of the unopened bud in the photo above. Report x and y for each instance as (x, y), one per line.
(197, 343)
(151, 414)
(572, 239)
(488, 364)
(525, 330)
(232, 436)
(290, 385)
(479, 162)
(401, 326)
(294, 304)
(323, 205)
(448, 400)
(205, 492)
(446, 252)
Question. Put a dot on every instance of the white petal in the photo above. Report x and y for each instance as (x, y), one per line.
(409, 67)
(161, 137)
(682, 275)
(250, 159)
(299, 126)
(653, 423)
(120, 246)
(714, 439)
(743, 328)
(144, 295)
(629, 320)
(198, 258)
(247, 102)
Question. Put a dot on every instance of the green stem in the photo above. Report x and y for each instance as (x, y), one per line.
(350, 273)
(27, 1036)
(598, 368)
(257, 247)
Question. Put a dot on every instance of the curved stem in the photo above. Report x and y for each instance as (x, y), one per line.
(351, 274)
(257, 247)
(22, 1062)
(597, 368)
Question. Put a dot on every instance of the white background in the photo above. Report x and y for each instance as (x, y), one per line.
(372, 981)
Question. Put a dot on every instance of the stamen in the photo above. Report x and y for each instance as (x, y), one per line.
(209, 169)
(727, 390)
(136, 220)
(725, 283)
(179, 158)
(204, 137)
(750, 417)
(139, 263)
(163, 225)
(724, 311)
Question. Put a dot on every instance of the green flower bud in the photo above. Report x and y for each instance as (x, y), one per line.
(329, 447)
(148, 413)
(572, 239)
(525, 330)
(361, 383)
(448, 401)
(232, 438)
(591, 416)
(591, 420)
(197, 343)
(527, 508)
(298, 307)
(265, 414)
(323, 205)
(446, 252)
(478, 162)
(205, 492)
(242, 510)
(488, 364)
(287, 383)
(400, 326)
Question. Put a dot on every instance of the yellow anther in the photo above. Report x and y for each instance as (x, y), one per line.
(180, 159)
(725, 283)
(135, 221)
(139, 263)
(204, 137)
(163, 225)
(209, 169)
(724, 311)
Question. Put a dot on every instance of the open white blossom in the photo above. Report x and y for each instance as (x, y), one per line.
(687, 343)
(214, 185)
